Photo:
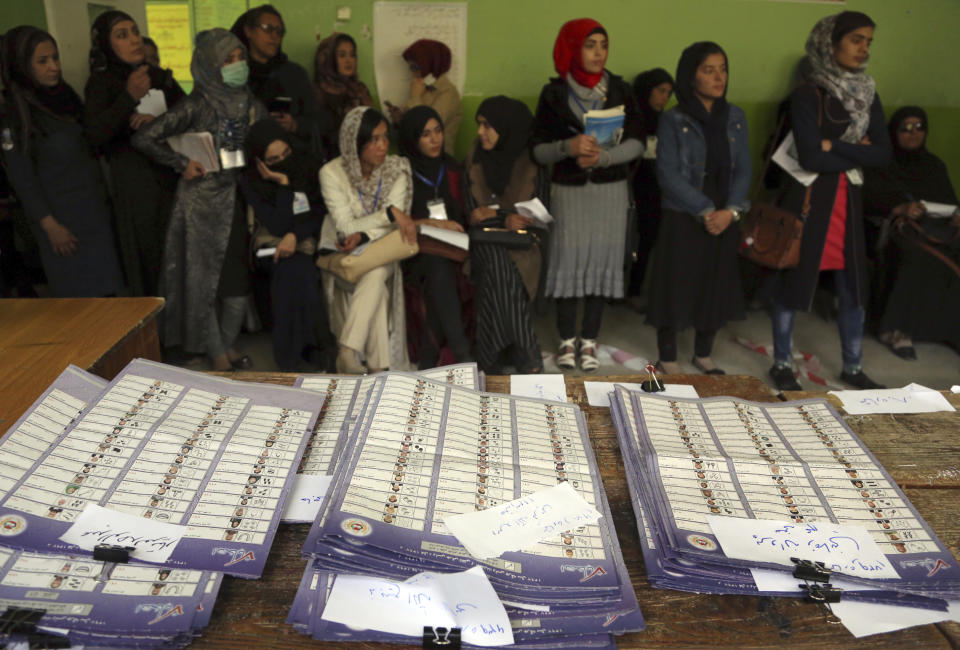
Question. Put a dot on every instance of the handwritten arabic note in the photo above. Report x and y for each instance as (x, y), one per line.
(844, 549)
(519, 523)
(912, 398)
(306, 495)
(549, 387)
(152, 541)
(465, 600)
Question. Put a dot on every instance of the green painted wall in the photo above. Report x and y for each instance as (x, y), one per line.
(22, 12)
(509, 45)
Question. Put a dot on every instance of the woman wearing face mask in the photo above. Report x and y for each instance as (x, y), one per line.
(589, 194)
(335, 73)
(839, 129)
(429, 63)
(436, 178)
(205, 270)
(368, 194)
(924, 297)
(703, 168)
(282, 187)
(499, 174)
(652, 90)
(52, 171)
(143, 190)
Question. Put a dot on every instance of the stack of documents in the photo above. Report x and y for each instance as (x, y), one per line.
(438, 487)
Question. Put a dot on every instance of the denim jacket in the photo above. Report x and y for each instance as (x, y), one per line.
(682, 155)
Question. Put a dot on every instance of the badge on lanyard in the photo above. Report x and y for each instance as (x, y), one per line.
(437, 208)
(230, 159)
(855, 176)
(650, 151)
(300, 203)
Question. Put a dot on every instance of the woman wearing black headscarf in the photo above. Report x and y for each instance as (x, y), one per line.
(142, 190)
(52, 171)
(282, 187)
(703, 166)
(652, 89)
(501, 173)
(435, 177)
(924, 300)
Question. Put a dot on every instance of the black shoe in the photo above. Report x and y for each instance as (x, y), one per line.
(907, 352)
(699, 366)
(784, 379)
(243, 363)
(860, 380)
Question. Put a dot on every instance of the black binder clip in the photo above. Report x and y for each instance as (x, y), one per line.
(652, 385)
(810, 571)
(444, 638)
(822, 592)
(45, 641)
(112, 553)
(20, 620)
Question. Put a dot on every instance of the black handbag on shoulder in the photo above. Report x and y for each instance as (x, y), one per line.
(512, 239)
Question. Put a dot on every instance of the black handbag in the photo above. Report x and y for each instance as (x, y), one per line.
(513, 239)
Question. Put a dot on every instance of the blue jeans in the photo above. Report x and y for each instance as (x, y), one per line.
(850, 317)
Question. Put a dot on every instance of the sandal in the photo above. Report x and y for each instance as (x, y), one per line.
(588, 355)
(567, 354)
(702, 368)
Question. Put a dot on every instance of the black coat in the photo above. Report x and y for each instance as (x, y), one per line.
(797, 286)
(289, 79)
(555, 121)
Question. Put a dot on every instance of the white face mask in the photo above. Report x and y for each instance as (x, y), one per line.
(429, 80)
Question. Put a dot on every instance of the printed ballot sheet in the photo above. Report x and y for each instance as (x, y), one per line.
(177, 447)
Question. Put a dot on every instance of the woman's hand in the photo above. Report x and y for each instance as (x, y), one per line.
(405, 224)
(193, 170)
(583, 145)
(138, 83)
(866, 140)
(518, 222)
(446, 224)
(955, 220)
(268, 174)
(286, 247)
(717, 221)
(346, 244)
(417, 87)
(910, 210)
(482, 214)
(139, 119)
(396, 114)
(826, 145)
(63, 242)
(586, 162)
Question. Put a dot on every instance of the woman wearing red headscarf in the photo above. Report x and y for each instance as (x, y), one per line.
(429, 63)
(589, 193)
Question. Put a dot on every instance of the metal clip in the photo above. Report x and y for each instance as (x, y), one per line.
(112, 553)
(810, 570)
(20, 620)
(822, 593)
(441, 637)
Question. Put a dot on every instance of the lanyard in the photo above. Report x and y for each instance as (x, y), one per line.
(577, 100)
(376, 199)
(434, 185)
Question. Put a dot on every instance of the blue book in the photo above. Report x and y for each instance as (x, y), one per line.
(605, 125)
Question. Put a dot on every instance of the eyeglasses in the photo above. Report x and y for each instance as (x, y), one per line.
(272, 29)
(913, 126)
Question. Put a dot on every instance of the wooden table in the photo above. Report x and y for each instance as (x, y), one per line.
(251, 614)
(40, 337)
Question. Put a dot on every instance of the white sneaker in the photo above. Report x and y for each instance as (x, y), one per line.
(588, 355)
(567, 354)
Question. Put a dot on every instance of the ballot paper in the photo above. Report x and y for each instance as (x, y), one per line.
(598, 392)
(540, 386)
(153, 103)
(534, 209)
(147, 540)
(452, 237)
(787, 157)
(912, 398)
(198, 147)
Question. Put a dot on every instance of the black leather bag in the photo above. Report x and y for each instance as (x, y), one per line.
(513, 239)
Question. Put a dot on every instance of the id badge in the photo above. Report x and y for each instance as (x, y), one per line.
(855, 176)
(231, 159)
(437, 209)
(650, 151)
(300, 203)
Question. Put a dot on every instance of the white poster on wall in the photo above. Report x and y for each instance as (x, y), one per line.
(396, 25)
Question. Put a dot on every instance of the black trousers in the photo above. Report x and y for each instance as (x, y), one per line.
(667, 343)
(437, 278)
(592, 316)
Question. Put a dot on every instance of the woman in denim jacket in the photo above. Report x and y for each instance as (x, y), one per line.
(703, 167)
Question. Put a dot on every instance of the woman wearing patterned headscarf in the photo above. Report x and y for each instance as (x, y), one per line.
(839, 129)
(368, 194)
(335, 76)
(52, 170)
(204, 271)
(142, 190)
(589, 192)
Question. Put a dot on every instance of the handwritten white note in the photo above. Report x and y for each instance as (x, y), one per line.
(517, 524)
(153, 103)
(864, 619)
(598, 392)
(152, 541)
(912, 398)
(551, 387)
(939, 209)
(534, 209)
(843, 549)
(305, 497)
(465, 600)
(771, 580)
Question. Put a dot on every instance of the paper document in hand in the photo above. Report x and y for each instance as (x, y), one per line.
(605, 125)
(787, 157)
(458, 239)
(939, 209)
(196, 146)
(152, 541)
(535, 210)
(153, 103)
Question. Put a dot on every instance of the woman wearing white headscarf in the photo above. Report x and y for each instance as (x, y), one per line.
(368, 194)
(205, 256)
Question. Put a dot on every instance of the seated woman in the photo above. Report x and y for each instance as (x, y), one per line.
(429, 63)
(53, 172)
(282, 187)
(924, 299)
(368, 194)
(499, 174)
(335, 75)
(435, 178)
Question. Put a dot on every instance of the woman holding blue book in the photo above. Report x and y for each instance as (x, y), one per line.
(589, 192)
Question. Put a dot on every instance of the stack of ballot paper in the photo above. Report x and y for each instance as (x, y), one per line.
(722, 487)
(440, 486)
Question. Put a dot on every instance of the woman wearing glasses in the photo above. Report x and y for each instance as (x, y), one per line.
(924, 298)
(839, 129)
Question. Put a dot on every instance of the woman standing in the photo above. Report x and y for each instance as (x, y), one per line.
(335, 75)
(838, 126)
(205, 269)
(703, 166)
(142, 190)
(368, 194)
(436, 175)
(52, 171)
(589, 193)
(499, 174)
